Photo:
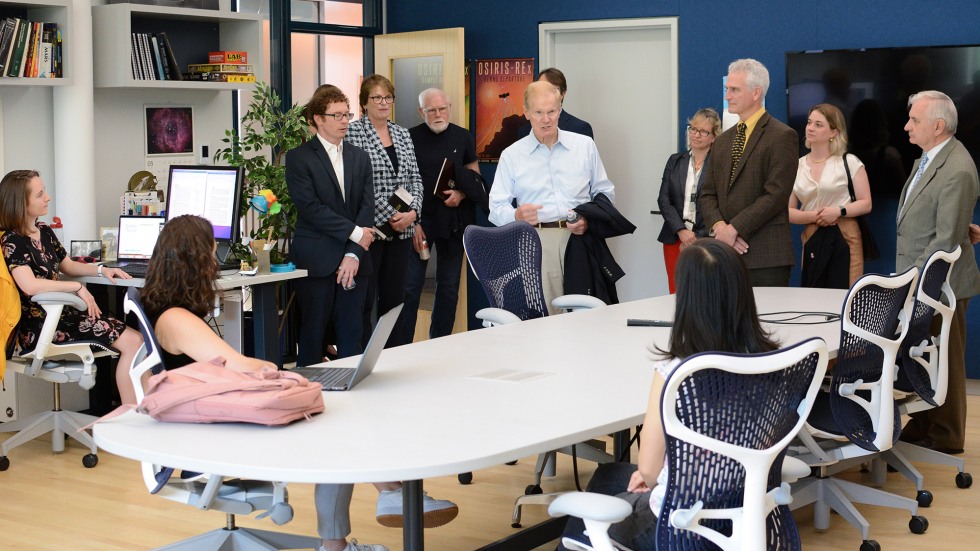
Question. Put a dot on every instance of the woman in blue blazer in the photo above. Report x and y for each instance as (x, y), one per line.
(681, 186)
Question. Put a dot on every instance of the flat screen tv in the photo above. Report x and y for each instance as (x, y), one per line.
(872, 87)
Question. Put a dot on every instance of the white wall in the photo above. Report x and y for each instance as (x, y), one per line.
(28, 135)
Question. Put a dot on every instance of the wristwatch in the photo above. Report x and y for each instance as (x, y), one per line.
(843, 212)
(98, 271)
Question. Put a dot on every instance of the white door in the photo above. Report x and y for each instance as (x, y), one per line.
(622, 79)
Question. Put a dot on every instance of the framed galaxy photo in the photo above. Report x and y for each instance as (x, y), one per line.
(169, 130)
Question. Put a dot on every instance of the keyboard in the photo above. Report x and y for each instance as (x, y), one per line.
(135, 270)
(332, 376)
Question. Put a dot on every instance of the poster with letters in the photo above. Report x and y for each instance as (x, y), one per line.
(500, 85)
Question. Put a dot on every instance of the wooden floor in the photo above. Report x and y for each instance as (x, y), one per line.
(50, 502)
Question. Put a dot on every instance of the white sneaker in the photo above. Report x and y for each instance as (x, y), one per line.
(352, 545)
(435, 512)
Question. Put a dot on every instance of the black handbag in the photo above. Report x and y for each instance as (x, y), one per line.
(868, 243)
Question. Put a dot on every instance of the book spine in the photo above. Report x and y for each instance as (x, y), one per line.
(58, 43)
(7, 32)
(155, 52)
(174, 68)
(147, 57)
(20, 48)
(161, 52)
(219, 68)
(46, 58)
(221, 77)
(36, 52)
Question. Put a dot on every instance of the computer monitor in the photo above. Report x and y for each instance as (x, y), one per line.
(212, 192)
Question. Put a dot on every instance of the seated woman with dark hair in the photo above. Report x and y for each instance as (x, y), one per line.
(36, 260)
(178, 293)
(715, 311)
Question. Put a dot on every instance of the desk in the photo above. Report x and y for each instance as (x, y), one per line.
(406, 421)
(265, 314)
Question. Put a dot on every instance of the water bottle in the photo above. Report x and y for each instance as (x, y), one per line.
(571, 216)
(424, 250)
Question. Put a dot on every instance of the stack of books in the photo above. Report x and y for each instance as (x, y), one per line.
(223, 67)
(29, 49)
(152, 58)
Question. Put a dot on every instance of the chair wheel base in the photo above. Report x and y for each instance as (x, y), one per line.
(465, 478)
(924, 498)
(532, 490)
(963, 480)
(90, 460)
(918, 524)
(870, 545)
(5, 464)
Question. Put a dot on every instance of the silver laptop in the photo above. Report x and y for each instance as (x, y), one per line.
(344, 378)
(136, 238)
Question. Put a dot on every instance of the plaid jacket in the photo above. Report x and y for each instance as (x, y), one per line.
(362, 134)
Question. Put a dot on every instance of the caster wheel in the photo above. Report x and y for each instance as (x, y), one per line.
(918, 524)
(465, 478)
(5, 464)
(870, 545)
(90, 460)
(963, 480)
(924, 497)
(515, 525)
(514, 462)
(532, 489)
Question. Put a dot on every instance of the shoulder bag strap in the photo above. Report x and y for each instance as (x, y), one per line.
(850, 184)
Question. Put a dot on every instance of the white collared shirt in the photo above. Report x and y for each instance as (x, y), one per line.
(559, 179)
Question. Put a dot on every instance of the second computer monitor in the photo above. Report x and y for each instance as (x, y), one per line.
(212, 192)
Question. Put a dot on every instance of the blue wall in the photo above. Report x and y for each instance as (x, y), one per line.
(712, 33)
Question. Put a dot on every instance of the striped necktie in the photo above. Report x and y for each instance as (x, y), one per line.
(915, 180)
(737, 147)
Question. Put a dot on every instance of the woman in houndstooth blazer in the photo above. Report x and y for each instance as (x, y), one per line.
(393, 161)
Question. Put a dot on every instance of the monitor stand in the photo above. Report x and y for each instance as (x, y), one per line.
(227, 262)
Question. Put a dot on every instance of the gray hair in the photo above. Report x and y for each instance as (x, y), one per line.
(424, 95)
(940, 106)
(756, 74)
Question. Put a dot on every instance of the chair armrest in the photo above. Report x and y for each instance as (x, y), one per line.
(577, 302)
(794, 469)
(591, 506)
(496, 316)
(58, 298)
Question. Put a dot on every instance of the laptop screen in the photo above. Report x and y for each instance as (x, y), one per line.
(137, 236)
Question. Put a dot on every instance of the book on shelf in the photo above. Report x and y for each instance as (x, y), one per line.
(8, 32)
(401, 201)
(152, 58)
(227, 57)
(243, 78)
(19, 49)
(220, 68)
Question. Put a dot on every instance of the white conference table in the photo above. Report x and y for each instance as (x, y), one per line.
(265, 312)
(431, 409)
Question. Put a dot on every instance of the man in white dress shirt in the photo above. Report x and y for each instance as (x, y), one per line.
(548, 173)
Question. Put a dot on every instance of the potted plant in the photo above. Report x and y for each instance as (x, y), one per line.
(268, 132)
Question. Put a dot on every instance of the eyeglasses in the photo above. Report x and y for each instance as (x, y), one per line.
(339, 117)
(698, 132)
(433, 110)
(382, 99)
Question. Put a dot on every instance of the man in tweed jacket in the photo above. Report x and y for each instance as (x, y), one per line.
(744, 201)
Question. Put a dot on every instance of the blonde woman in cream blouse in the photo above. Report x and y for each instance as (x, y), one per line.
(820, 196)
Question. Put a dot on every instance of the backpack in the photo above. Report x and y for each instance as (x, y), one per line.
(208, 392)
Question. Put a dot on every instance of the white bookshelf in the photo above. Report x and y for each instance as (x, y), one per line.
(112, 27)
(49, 11)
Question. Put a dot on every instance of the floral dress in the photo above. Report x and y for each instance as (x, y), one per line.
(43, 257)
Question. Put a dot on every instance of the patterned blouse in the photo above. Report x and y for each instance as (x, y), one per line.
(386, 178)
(44, 257)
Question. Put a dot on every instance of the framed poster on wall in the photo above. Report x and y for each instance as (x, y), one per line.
(411, 75)
(500, 85)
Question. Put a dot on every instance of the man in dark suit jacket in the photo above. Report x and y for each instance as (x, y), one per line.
(333, 227)
(934, 212)
(566, 121)
(744, 202)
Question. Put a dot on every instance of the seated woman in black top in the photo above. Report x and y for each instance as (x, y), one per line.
(180, 291)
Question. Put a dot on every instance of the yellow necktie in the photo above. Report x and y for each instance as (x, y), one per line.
(737, 147)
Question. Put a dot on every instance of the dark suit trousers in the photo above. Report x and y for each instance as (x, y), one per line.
(387, 286)
(946, 425)
(322, 300)
(449, 261)
(776, 276)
